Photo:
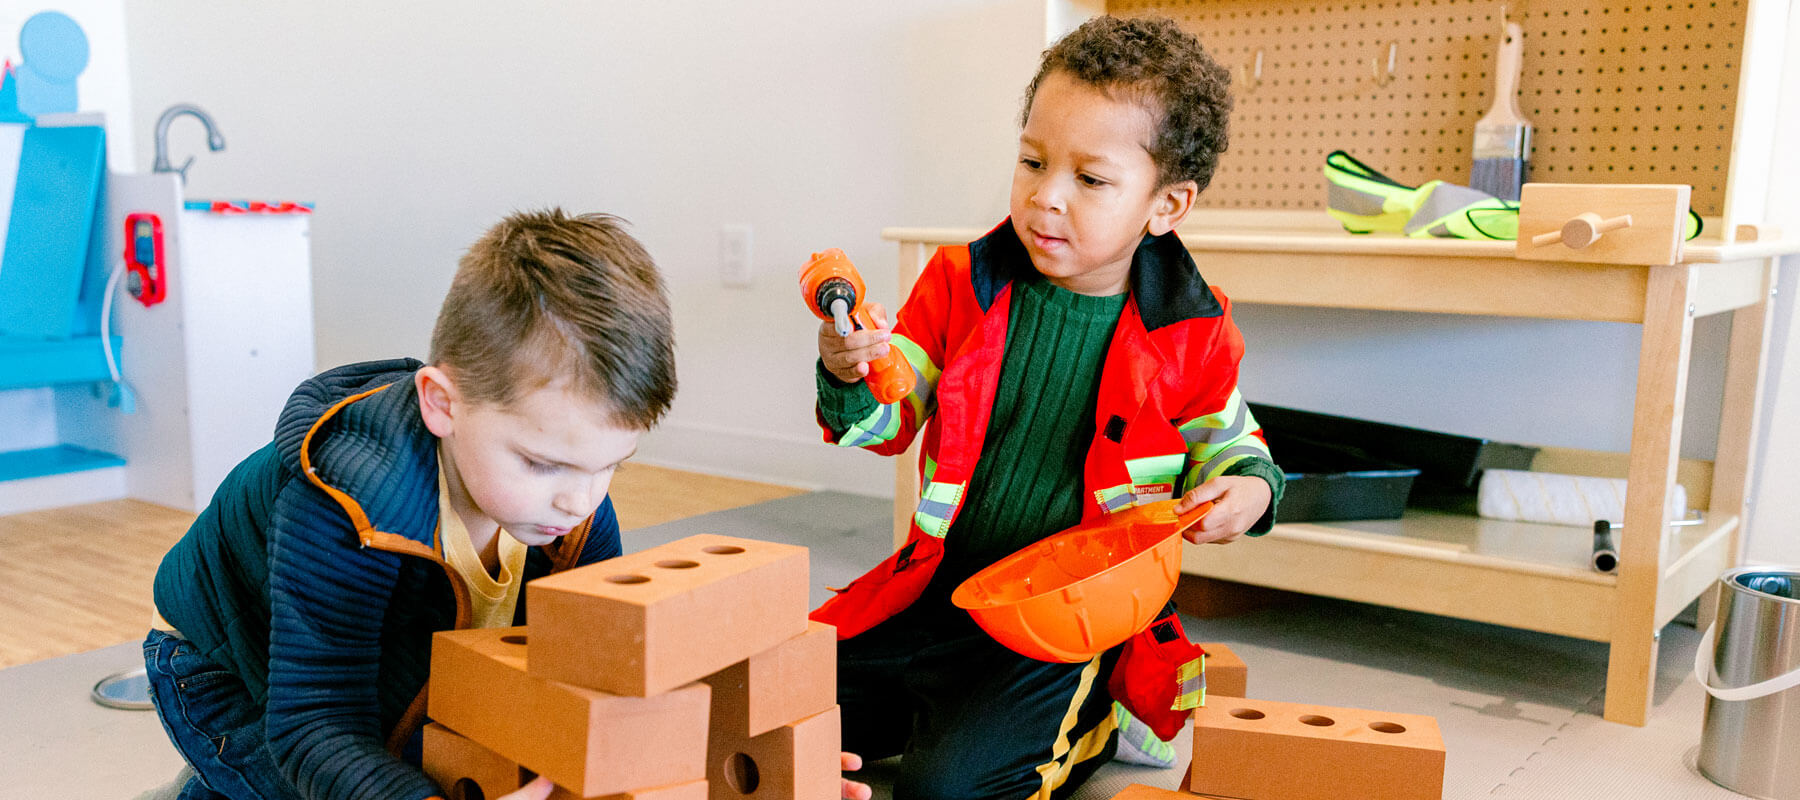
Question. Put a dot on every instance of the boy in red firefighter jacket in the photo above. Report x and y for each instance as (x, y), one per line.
(1070, 363)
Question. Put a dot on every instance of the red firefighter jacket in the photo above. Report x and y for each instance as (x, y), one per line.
(1168, 418)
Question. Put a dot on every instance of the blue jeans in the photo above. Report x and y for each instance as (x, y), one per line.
(213, 722)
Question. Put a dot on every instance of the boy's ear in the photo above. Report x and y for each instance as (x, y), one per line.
(1173, 202)
(438, 399)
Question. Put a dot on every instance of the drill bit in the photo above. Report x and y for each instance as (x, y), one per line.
(840, 316)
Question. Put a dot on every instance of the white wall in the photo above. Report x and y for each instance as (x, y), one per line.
(27, 419)
(414, 125)
(1569, 384)
(1774, 525)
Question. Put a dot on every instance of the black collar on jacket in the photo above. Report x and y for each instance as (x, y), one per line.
(1164, 278)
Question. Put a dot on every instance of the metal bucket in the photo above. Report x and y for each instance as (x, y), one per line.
(1751, 742)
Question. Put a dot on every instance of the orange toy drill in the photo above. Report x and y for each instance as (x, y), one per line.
(833, 289)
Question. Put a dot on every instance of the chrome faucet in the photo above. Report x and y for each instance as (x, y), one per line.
(213, 139)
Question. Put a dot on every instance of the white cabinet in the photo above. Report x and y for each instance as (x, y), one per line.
(212, 365)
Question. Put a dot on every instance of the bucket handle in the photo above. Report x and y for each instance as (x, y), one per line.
(1703, 672)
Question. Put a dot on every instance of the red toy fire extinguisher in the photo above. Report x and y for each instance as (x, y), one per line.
(147, 275)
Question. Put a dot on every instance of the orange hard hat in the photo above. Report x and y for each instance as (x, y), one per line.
(1073, 595)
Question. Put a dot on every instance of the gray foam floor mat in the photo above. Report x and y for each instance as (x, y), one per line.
(1519, 710)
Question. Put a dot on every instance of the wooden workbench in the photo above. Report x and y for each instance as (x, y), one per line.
(1523, 575)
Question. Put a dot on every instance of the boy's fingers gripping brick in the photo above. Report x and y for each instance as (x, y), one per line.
(589, 742)
(651, 621)
(793, 680)
(799, 761)
(1248, 748)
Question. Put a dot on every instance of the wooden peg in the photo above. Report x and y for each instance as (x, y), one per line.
(1393, 61)
(1584, 229)
(1657, 215)
(1757, 233)
(1249, 77)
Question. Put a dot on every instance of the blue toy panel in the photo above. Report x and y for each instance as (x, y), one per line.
(38, 95)
(49, 239)
(58, 460)
(27, 363)
(97, 269)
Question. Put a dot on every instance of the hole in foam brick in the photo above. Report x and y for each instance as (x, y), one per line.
(1388, 727)
(1246, 713)
(1317, 721)
(467, 789)
(741, 773)
(514, 638)
(678, 563)
(723, 550)
(627, 579)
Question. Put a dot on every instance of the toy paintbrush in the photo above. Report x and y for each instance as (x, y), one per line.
(1503, 137)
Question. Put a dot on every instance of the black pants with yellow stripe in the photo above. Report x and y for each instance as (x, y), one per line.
(970, 718)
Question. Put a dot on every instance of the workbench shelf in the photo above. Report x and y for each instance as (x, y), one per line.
(1525, 575)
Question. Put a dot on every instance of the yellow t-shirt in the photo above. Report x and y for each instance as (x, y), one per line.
(491, 598)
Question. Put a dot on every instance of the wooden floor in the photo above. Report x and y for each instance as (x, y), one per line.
(78, 578)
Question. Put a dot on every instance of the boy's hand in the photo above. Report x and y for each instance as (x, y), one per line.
(847, 357)
(538, 789)
(1238, 502)
(852, 762)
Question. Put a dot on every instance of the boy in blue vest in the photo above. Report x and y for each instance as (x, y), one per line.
(1071, 363)
(292, 640)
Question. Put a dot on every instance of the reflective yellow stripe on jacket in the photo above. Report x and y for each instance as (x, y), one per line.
(1218, 440)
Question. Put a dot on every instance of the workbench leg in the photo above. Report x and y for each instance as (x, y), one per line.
(1740, 414)
(913, 256)
(1655, 447)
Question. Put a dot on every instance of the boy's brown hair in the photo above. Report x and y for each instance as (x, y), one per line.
(1162, 66)
(544, 296)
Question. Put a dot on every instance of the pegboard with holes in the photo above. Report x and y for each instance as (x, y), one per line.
(1616, 92)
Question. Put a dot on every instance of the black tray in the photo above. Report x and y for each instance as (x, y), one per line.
(1447, 463)
(1327, 482)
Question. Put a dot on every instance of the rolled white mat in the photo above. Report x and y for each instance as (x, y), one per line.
(1560, 499)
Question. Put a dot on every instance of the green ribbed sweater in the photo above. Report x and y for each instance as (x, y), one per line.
(1028, 483)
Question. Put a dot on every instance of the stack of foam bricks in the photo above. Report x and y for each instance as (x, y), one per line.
(684, 672)
(1265, 750)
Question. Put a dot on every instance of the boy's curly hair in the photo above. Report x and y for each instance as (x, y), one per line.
(1164, 67)
(545, 296)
